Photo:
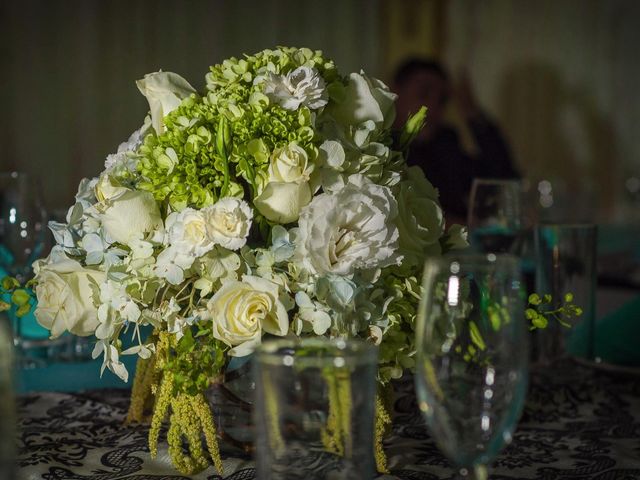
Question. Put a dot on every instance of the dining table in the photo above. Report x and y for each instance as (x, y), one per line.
(581, 421)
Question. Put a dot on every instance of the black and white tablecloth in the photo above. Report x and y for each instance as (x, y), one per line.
(579, 423)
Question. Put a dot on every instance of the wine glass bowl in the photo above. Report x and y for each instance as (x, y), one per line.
(22, 224)
(471, 375)
(495, 219)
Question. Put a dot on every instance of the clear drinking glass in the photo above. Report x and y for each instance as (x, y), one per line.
(495, 215)
(472, 356)
(23, 239)
(566, 264)
(314, 409)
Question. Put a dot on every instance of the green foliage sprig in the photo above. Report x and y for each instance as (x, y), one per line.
(540, 309)
(197, 357)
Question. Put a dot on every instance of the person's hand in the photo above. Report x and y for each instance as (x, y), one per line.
(465, 98)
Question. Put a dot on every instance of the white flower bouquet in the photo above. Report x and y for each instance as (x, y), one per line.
(274, 202)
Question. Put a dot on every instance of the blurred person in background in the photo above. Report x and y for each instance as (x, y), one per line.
(437, 149)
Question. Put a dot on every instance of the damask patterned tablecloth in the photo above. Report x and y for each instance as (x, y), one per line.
(579, 423)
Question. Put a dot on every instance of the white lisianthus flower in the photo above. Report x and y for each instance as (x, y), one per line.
(130, 214)
(301, 87)
(420, 220)
(164, 92)
(228, 222)
(65, 297)
(242, 311)
(365, 98)
(349, 230)
(187, 230)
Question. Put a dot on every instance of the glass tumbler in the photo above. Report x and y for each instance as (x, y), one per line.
(314, 409)
(566, 264)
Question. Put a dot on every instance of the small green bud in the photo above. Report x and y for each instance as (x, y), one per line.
(568, 297)
(534, 299)
(412, 127)
(540, 321)
(9, 283)
(20, 297)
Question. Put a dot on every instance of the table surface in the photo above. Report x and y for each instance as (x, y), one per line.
(579, 423)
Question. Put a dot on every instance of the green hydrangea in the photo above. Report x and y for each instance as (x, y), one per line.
(219, 144)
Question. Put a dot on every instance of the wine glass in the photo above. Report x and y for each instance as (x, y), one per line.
(22, 237)
(472, 356)
(22, 224)
(495, 215)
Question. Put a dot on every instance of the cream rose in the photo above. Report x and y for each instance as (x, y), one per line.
(65, 297)
(282, 202)
(287, 190)
(365, 98)
(132, 213)
(242, 311)
(420, 220)
(228, 222)
(348, 230)
(188, 230)
(164, 92)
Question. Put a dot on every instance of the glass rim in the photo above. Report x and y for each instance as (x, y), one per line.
(281, 352)
(497, 181)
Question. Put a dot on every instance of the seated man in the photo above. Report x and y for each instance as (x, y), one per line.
(437, 149)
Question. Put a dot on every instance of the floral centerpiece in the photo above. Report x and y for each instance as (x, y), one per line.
(273, 202)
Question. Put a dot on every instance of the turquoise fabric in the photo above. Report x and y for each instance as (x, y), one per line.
(71, 377)
(617, 336)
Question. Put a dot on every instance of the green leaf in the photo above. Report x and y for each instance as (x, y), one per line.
(476, 337)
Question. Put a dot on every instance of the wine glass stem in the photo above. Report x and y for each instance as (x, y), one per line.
(476, 472)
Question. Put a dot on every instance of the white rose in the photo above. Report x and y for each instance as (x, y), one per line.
(65, 297)
(107, 188)
(365, 98)
(289, 164)
(302, 86)
(131, 214)
(228, 222)
(288, 189)
(348, 230)
(187, 229)
(420, 220)
(282, 202)
(164, 92)
(242, 311)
